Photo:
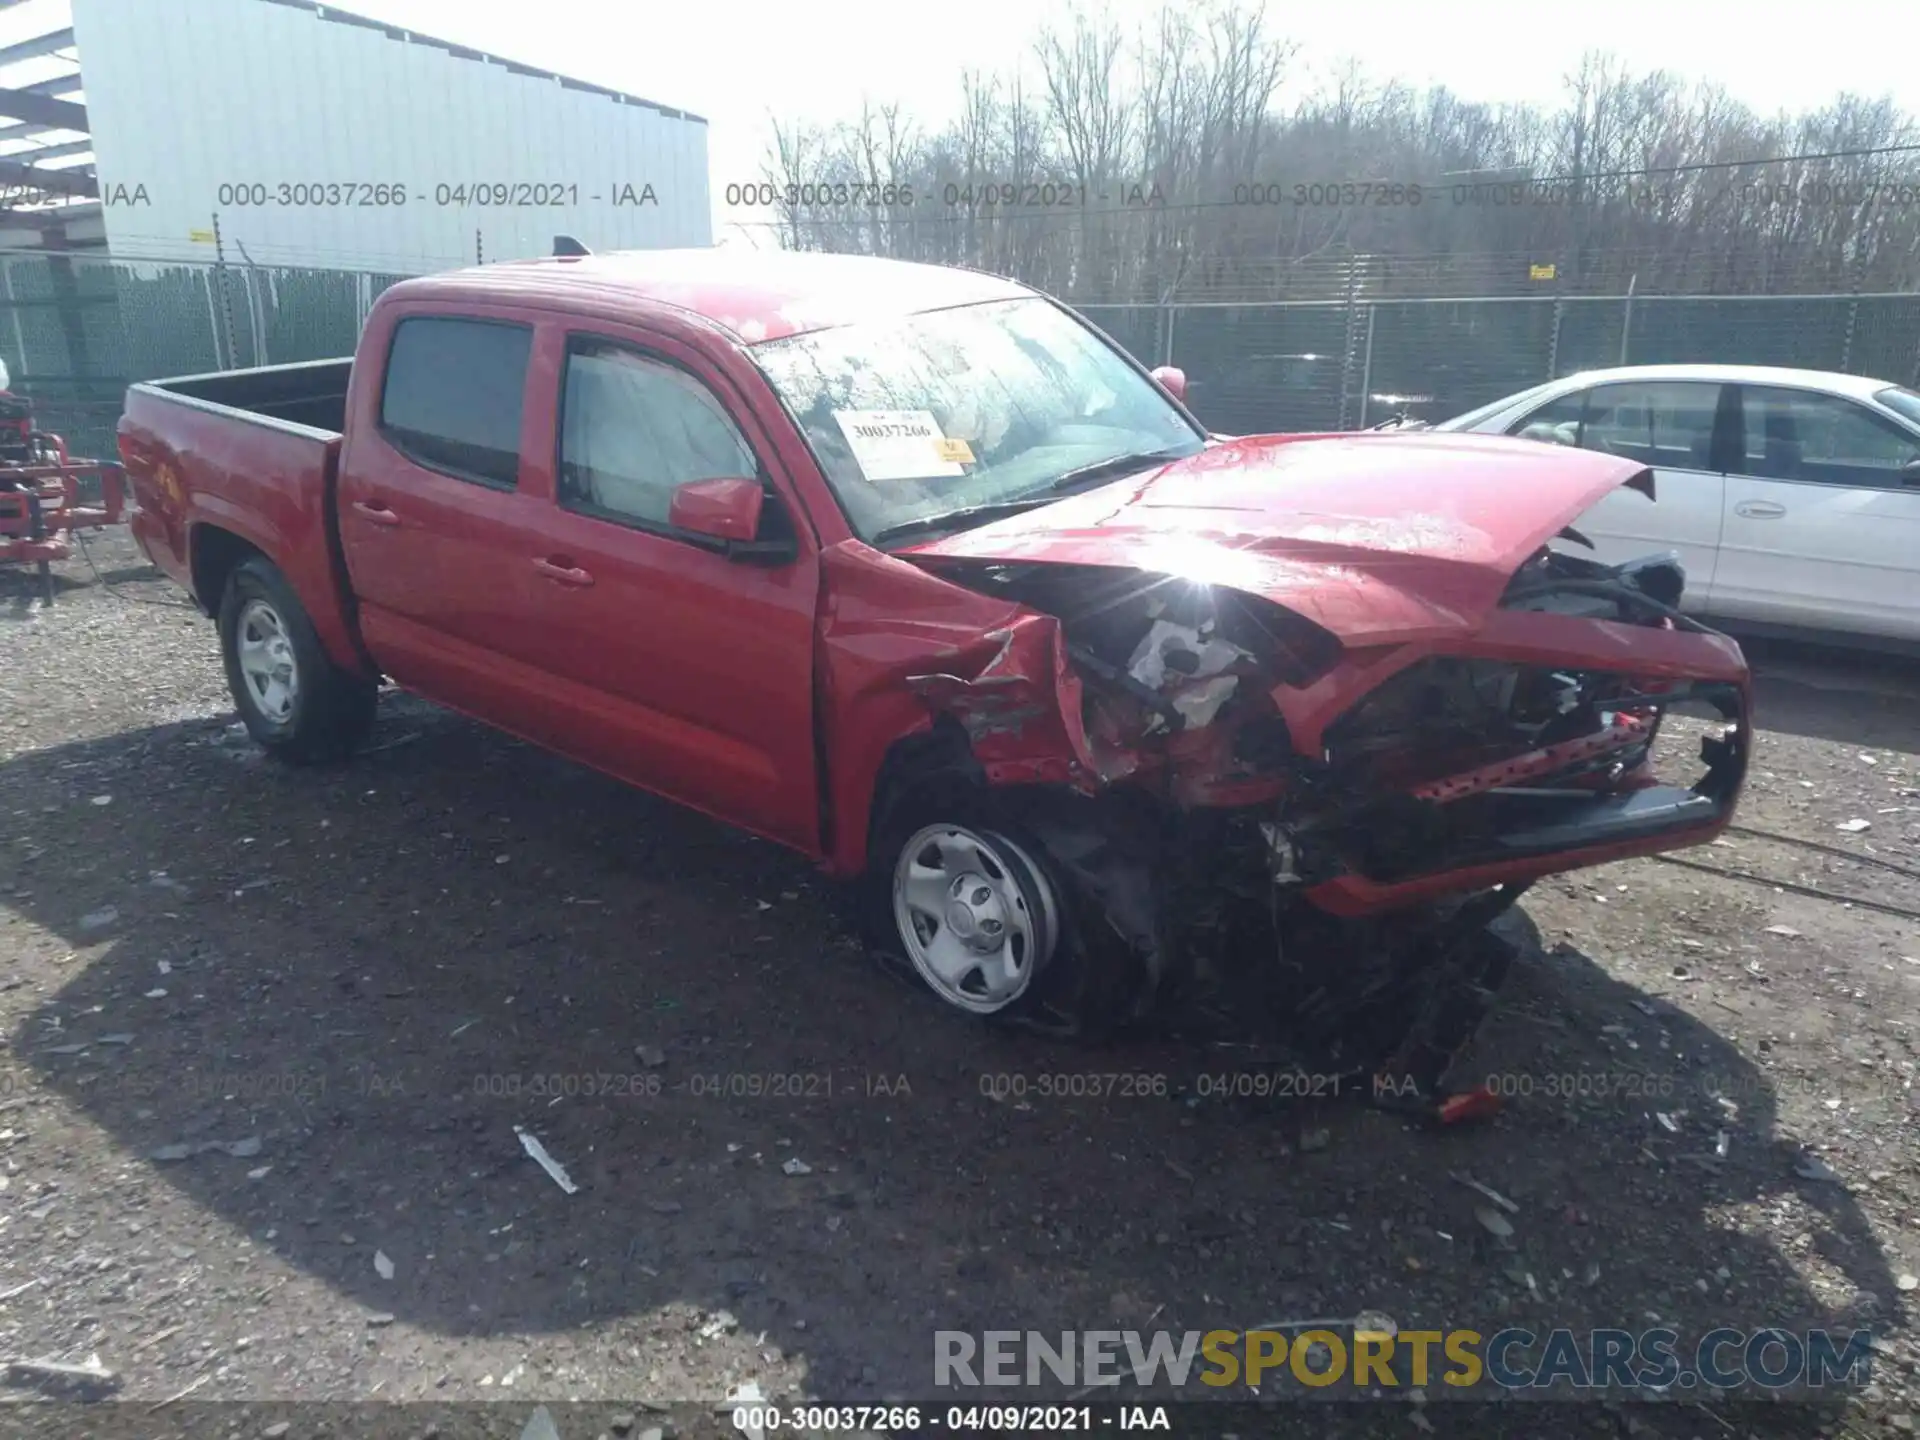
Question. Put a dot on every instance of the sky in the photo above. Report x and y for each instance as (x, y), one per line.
(741, 62)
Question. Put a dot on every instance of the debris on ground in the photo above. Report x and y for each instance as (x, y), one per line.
(1487, 1190)
(1493, 1222)
(91, 1374)
(1812, 1167)
(794, 1165)
(182, 1150)
(545, 1161)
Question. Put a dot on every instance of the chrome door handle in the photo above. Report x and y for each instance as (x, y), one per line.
(558, 569)
(1759, 510)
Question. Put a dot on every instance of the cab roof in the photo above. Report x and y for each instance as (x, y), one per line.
(755, 295)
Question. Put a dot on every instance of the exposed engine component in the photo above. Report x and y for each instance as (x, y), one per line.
(1110, 613)
(1642, 591)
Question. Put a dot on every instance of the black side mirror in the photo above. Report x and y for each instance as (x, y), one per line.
(1910, 475)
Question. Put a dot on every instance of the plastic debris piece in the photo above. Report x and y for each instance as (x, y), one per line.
(545, 1161)
(1487, 1190)
(1812, 1167)
(1493, 1222)
(1471, 1104)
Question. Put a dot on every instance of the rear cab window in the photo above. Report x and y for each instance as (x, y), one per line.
(453, 394)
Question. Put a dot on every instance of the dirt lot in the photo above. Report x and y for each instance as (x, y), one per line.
(362, 980)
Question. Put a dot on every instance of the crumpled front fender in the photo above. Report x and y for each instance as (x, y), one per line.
(1021, 709)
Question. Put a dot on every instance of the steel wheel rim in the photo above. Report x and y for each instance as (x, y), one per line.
(974, 931)
(267, 664)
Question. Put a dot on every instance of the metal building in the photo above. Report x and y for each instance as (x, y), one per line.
(303, 135)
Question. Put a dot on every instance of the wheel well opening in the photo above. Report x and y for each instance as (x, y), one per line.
(938, 759)
(216, 553)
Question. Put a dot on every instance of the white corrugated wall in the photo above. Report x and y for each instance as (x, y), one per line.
(195, 105)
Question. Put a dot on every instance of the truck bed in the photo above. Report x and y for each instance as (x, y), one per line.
(312, 394)
(240, 461)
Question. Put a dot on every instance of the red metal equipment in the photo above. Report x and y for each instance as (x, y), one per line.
(40, 492)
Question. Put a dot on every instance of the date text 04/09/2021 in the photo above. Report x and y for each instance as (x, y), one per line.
(767, 1421)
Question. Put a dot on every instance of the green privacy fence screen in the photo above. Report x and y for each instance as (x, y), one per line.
(75, 331)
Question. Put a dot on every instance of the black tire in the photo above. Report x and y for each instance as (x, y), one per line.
(1086, 986)
(330, 710)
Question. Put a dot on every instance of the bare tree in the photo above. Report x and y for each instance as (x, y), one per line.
(1181, 157)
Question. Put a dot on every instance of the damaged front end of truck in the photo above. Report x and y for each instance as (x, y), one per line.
(1288, 767)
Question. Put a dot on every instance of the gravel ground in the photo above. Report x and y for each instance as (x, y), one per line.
(267, 1037)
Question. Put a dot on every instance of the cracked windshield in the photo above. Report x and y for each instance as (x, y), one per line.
(921, 424)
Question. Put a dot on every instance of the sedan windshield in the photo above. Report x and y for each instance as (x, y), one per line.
(1486, 412)
(1901, 401)
(964, 414)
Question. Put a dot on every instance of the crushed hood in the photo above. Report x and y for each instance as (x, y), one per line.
(1379, 537)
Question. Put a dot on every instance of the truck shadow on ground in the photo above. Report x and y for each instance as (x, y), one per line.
(382, 970)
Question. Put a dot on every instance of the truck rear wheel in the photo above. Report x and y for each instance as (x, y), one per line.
(295, 702)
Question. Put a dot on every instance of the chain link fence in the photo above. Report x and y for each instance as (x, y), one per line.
(76, 330)
(1323, 365)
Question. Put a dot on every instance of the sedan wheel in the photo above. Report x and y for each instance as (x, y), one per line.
(975, 915)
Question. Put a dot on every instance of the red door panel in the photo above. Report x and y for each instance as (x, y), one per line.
(685, 672)
(677, 668)
(434, 529)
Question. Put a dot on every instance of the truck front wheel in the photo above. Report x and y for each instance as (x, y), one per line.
(296, 703)
(974, 913)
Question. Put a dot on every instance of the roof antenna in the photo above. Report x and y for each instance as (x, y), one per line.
(566, 245)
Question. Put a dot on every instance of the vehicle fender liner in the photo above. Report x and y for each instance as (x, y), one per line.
(1112, 875)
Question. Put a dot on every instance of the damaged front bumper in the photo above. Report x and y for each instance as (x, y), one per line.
(1585, 799)
(1310, 838)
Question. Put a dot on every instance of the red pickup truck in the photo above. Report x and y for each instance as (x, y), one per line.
(913, 570)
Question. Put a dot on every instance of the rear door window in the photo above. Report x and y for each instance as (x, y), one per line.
(1668, 424)
(453, 396)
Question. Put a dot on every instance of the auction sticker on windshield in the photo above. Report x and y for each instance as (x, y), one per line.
(901, 445)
